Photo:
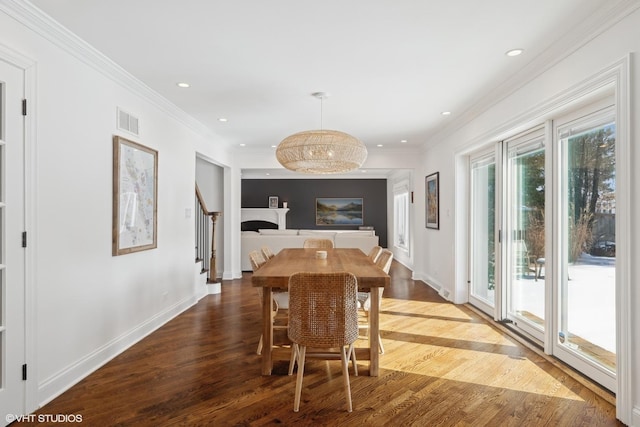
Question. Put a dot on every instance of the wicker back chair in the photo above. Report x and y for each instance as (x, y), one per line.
(281, 298)
(280, 301)
(383, 261)
(374, 253)
(267, 253)
(318, 243)
(323, 314)
(256, 259)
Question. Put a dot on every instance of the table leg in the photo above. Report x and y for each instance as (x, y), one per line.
(267, 330)
(374, 332)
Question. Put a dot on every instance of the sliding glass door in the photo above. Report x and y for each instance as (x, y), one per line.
(524, 233)
(543, 237)
(586, 285)
(482, 231)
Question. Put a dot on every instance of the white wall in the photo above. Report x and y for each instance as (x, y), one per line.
(436, 250)
(90, 305)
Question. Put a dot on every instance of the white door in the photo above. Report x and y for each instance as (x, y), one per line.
(12, 254)
(524, 232)
(482, 230)
(585, 335)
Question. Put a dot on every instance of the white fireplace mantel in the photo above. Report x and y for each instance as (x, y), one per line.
(274, 215)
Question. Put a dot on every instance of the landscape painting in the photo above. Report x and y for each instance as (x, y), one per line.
(339, 211)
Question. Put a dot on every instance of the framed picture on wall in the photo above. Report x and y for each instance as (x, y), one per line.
(339, 211)
(432, 189)
(273, 202)
(135, 197)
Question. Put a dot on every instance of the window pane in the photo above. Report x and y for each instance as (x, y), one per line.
(401, 218)
(526, 289)
(587, 306)
(483, 179)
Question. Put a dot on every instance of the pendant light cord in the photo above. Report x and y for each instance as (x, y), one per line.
(321, 104)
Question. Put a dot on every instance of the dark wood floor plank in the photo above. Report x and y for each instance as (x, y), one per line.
(443, 365)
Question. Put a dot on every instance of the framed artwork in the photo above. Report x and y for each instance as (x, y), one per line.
(432, 188)
(135, 197)
(339, 211)
(273, 202)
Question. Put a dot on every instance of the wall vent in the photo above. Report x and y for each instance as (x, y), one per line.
(128, 122)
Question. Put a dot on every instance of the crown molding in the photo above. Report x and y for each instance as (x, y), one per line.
(36, 20)
(597, 23)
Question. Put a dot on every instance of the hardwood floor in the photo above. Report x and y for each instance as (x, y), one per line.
(443, 365)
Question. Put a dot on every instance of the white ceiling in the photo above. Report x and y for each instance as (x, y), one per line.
(391, 67)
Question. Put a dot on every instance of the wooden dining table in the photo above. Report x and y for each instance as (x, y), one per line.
(275, 275)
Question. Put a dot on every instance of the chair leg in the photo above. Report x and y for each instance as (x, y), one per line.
(345, 375)
(302, 351)
(380, 344)
(294, 357)
(352, 356)
(259, 350)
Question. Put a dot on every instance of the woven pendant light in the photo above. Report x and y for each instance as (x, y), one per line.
(321, 151)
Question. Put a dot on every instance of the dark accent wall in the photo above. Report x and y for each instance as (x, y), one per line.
(301, 195)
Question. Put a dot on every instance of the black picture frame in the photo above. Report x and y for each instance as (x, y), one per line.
(432, 200)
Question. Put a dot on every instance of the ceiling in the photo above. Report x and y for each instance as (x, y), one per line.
(390, 67)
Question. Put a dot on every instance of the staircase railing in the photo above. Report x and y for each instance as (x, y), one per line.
(205, 240)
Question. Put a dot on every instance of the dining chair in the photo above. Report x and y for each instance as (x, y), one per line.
(267, 253)
(259, 259)
(279, 316)
(318, 243)
(374, 253)
(323, 314)
(256, 259)
(383, 261)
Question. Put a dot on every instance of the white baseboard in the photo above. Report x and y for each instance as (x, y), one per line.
(405, 263)
(635, 422)
(60, 382)
(431, 282)
(227, 275)
(214, 288)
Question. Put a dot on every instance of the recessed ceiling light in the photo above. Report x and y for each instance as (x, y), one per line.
(182, 84)
(446, 113)
(267, 174)
(379, 145)
(274, 146)
(514, 52)
(404, 141)
(242, 145)
(223, 119)
(363, 171)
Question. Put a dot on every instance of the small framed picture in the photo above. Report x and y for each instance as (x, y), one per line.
(432, 185)
(273, 202)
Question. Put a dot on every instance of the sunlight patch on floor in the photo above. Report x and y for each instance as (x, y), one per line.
(424, 308)
(444, 341)
(490, 370)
